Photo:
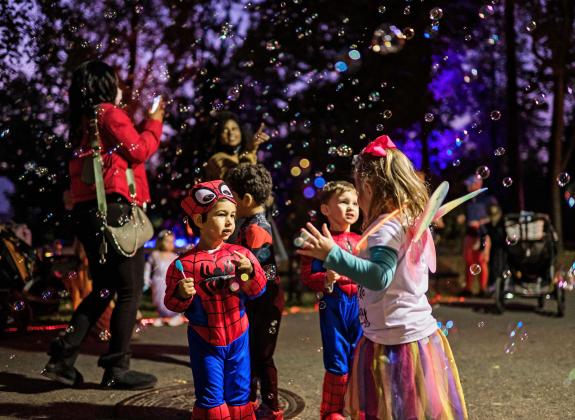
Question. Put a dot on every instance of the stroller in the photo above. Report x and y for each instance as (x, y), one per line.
(531, 258)
(29, 286)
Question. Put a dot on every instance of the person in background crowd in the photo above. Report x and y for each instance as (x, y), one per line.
(155, 277)
(231, 145)
(498, 254)
(477, 244)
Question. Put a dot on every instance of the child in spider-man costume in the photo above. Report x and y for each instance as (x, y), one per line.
(210, 285)
(252, 188)
(338, 306)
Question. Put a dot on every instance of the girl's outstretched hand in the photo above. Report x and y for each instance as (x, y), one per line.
(317, 244)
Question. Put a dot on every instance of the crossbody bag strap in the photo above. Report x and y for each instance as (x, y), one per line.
(99, 181)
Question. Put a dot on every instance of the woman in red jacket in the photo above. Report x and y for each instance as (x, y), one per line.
(94, 92)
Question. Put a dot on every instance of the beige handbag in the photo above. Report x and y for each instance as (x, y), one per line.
(134, 233)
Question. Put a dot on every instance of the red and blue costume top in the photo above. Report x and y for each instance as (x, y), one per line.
(215, 312)
(313, 274)
(256, 235)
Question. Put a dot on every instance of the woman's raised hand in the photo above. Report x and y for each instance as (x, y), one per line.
(317, 244)
(158, 113)
(260, 137)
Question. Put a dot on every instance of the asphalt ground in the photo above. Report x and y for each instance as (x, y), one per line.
(529, 379)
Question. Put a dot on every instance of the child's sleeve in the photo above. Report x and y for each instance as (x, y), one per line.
(313, 279)
(172, 300)
(259, 242)
(256, 285)
(148, 267)
(377, 272)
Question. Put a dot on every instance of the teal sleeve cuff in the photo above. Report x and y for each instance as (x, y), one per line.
(374, 274)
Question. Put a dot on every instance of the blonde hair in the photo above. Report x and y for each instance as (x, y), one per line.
(394, 183)
(335, 188)
(162, 236)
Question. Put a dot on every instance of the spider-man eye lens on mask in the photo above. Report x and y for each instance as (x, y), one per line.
(225, 190)
(205, 195)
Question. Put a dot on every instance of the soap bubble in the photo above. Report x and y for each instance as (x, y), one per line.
(272, 330)
(531, 26)
(510, 347)
(429, 117)
(104, 335)
(475, 269)
(387, 39)
(322, 305)
(500, 151)
(344, 150)
(483, 172)
(507, 274)
(495, 115)
(511, 240)
(19, 305)
(507, 182)
(408, 33)
(330, 168)
(234, 93)
(70, 329)
(456, 163)
(387, 114)
(332, 150)
(104, 293)
(374, 96)
(46, 294)
(563, 179)
(436, 13)
(486, 11)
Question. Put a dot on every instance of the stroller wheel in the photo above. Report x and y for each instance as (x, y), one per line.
(560, 296)
(499, 295)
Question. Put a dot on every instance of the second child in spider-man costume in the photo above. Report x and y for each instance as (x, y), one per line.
(338, 307)
(211, 284)
(252, 188)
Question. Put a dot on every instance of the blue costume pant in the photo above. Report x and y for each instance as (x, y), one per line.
(340, 330)
(221, 373)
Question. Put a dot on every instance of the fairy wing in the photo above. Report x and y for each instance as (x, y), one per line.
(431, 208)
(421, 248)
(447, 207)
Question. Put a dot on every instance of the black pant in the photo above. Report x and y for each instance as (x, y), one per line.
(265, 314)
(119, 276)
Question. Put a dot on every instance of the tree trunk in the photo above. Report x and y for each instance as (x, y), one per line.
(558, 123)
(512, 118)
(132, 61)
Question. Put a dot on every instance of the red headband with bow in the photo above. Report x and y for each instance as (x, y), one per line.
(378, 147)
(203, 196)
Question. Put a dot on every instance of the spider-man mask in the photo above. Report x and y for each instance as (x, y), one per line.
(205, 195)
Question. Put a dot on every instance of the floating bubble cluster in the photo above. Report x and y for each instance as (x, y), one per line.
(387, 39)
(517, 336)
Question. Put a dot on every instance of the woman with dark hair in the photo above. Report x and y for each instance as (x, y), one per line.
(94, 94)
(231, 145)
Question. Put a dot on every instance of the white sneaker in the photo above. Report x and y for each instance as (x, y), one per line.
(176, 321)
(158, 322)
